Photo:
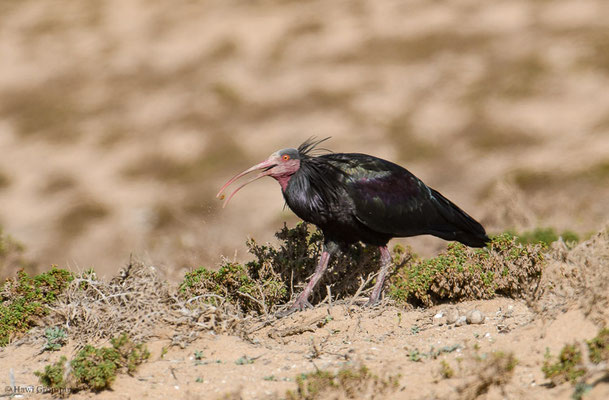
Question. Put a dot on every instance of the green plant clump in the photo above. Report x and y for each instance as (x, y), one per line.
(460, 273)
(24, 299)
(570, 367)
(545, 236)
(567, 368)
(348, 382)
(235, 283)
(53, 375)
(95, 368)
(56, 338)
(264, 282)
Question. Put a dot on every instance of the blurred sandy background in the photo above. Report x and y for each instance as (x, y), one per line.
(119, 120)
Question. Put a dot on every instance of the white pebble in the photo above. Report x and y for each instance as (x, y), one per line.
(475, 317)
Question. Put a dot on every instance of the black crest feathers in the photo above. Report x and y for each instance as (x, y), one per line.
(309, 146)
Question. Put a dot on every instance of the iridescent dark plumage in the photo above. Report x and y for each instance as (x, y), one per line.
(356, 197)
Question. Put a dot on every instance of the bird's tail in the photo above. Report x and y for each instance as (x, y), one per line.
(457, 224)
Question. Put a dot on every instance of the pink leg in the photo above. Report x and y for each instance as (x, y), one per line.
(380, 279)
(302, 301)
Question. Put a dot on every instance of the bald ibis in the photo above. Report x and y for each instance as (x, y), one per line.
(355, 197)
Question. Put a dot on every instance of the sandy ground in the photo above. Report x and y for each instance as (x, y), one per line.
(331, 337)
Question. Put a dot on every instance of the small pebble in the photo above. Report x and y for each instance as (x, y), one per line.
(462, 320)
(475, 317)
(452, 315)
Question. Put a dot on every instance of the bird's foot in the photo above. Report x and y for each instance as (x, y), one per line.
(373, 301)
(299, 305)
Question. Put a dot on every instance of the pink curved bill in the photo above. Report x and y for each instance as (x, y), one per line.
(262, 165)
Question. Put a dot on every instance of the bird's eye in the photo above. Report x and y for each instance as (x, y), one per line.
(285, 157)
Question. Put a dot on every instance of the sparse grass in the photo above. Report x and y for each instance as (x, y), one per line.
(24, 300)
(136, 302)
(347, 383)
(460, 273)
(95, 369)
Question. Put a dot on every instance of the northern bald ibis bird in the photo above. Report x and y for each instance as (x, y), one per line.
(355, 197)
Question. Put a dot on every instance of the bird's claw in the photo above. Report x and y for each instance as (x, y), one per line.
(299, 305)
(371, 302)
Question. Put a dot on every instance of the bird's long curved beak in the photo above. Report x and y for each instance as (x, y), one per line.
(265, 165)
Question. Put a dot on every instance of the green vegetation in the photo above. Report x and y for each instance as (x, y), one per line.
(237, 284)
(56, 338)
(545, 236)
(263, 283)
(347, 383)
(53, 375)
(24, 299)
(95, 368)
(567, 368)
(506, 267)
(446, 370)
(461, 273)
(570, 365)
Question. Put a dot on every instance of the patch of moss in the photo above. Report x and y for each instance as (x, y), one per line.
(348, 382)
(461, 273)
(24, 299)
(95, 369)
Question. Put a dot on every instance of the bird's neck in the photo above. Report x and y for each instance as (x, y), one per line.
(283, 181)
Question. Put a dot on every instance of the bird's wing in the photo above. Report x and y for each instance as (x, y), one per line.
(387, 198)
